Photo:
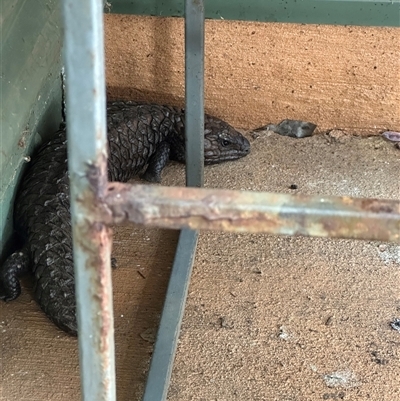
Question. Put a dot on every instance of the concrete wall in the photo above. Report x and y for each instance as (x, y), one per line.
(335, 76)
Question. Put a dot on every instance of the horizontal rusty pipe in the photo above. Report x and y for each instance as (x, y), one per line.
(244, 211)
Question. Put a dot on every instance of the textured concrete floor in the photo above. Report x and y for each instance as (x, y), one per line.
(268, 318)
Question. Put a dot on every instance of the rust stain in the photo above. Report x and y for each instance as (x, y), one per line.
(97, 176)
(379, 206)
(94, 238)
(178, 207)
(22, 140)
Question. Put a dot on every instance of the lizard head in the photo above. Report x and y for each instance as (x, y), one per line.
(222, 142)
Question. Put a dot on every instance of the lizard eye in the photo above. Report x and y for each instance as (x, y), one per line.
(225, 142)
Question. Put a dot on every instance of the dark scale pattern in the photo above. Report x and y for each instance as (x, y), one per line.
(135, 133)
(138, 135)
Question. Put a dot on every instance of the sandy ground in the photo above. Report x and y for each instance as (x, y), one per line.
(267, 318)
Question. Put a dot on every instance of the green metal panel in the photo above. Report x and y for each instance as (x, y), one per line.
(30, 53)
(338, 12)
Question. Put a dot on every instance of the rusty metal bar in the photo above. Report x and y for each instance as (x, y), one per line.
(226, 210)
(87, 163)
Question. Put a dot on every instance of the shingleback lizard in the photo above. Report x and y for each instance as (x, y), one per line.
(138, 135)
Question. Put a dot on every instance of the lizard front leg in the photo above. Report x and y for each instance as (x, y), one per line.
(157, 163)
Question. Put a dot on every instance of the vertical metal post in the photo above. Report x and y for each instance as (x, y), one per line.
(174, 307)
(194, 92)
(87, 161)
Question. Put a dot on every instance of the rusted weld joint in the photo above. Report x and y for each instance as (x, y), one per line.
(96, 175)
(92, 199)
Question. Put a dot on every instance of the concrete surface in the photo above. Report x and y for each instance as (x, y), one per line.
(268, 318)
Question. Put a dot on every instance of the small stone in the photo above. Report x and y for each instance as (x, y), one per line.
(114, 263)
(344, 379)
(382, 247)
(395, 324)
(392, 136)
(283, 334)
(337, 135)
(224, 323)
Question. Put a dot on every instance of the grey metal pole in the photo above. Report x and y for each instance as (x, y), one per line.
(174, 307)
(194, 92)
(87, 162)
